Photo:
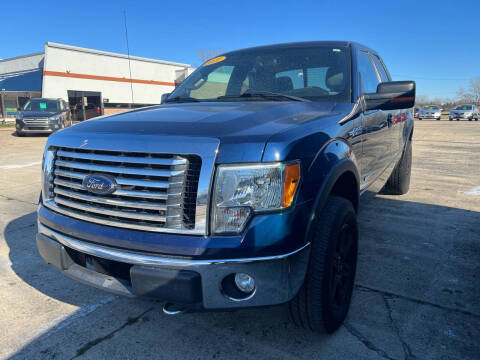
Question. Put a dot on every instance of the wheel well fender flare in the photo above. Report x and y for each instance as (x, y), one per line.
(343, 167)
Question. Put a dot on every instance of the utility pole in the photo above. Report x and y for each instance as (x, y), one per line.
(4, 116)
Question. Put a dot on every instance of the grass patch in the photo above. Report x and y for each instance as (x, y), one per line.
(7, 125)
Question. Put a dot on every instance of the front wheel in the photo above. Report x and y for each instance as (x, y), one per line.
(323, 301)
(20, 133)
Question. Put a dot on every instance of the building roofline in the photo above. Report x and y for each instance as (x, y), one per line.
(112, 54)
(22, 56)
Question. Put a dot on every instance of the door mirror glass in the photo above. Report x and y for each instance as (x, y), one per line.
(392, 95)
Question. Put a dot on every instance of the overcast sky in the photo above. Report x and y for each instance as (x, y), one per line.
(436, 43)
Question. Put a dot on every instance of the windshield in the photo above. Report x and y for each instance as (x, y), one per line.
(320, 73)
(464, 107)
(42, 105)
(431, 107)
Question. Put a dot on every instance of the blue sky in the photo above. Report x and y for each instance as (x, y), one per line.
(435, 43)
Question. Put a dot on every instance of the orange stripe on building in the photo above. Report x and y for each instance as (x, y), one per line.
(106, 78)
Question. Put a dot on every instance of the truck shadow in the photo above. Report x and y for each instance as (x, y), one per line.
(407, 248)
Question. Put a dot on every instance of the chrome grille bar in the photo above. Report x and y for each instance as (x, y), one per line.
(113, 202)
(104, 211)
(114, 169)
(121, 159)
(118, 180)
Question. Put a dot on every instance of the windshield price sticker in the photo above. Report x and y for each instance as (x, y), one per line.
(43, 105)
(215, 60)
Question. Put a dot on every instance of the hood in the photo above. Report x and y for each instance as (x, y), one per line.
(459, 111)
(241, 128)
(39, 114)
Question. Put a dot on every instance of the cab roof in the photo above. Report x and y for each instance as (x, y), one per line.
(335, 43)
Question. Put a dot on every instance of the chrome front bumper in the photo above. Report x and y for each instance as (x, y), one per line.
(277, 278)
(40, 131)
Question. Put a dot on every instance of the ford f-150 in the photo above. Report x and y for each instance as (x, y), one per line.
(240, 190)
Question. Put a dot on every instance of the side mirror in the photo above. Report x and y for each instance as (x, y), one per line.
(164, 97)
(392, 95)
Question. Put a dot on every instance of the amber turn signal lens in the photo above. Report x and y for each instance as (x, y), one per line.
(292, 177)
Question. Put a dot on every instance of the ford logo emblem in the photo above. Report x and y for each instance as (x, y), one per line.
(99, 184)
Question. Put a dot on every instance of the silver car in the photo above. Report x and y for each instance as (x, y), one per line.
(430, 112)
(465, 111)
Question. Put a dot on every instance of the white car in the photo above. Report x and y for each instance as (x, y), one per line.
(430, 112)
(465, 111)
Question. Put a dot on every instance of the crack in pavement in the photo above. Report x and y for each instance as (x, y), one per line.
(367, 343)
(22, 201)
(406, 348)
(130, 321)
(417, 301)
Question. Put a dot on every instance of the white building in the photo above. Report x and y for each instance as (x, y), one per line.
(91, 81)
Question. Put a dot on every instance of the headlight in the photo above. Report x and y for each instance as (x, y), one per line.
(47, 174)
(467, 114)
(53, 118)
(242, 190)
(438, 114)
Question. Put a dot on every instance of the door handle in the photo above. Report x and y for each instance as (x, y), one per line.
(390, 120)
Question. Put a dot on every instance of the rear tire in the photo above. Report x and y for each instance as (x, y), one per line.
(399, 181)
(323, 301)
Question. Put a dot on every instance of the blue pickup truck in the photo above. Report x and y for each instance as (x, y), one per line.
(240, 190)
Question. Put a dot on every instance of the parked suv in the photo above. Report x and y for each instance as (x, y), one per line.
(241, 190)
(466, 111)
(430, 112)
(40, 115)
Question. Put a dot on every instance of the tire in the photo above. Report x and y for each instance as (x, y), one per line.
(323, 301)
(450, 119)
(438, 119)
(19, 133)
(419, 118)
(399, 181)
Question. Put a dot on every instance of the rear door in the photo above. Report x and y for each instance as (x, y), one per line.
(377, 126)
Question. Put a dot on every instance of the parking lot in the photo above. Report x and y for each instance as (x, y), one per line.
(417, 289)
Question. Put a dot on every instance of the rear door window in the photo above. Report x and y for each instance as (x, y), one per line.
(380, 68)
(368, 75)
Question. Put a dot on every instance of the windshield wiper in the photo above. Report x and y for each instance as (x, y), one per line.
(181, 99)
(263, 94)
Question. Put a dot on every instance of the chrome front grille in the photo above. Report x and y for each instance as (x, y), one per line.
(43, 122)
(154, 192)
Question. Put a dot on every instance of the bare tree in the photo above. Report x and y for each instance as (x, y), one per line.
(421, 100)
(207, 54)
(464, 96)
(474, 90)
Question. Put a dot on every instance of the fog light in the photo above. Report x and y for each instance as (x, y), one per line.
(244, 282)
